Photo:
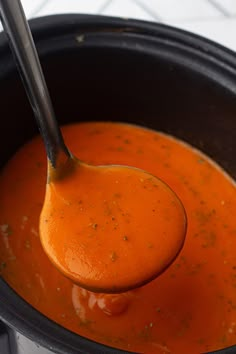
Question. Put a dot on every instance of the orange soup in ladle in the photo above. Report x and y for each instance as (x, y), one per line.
(107, 228)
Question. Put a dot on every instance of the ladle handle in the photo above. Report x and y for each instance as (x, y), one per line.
(23, 48)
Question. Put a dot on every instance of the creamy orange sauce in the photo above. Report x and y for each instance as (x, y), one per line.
(99, 224)
(191, 307)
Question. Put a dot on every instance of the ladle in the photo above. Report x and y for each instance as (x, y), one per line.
(107, 228)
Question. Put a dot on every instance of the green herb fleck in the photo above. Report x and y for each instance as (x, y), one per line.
(200, 160)
(85, 323)
(117, 195)
(113, 256)
(127, 141)
(94, 226)
(2, 265)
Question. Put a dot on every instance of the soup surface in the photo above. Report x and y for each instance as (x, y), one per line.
(191, 307)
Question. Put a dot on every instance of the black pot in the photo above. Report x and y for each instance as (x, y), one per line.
(115, 69)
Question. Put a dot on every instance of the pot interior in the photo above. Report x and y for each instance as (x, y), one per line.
(96, 81)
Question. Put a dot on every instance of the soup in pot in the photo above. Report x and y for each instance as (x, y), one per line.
(191, 307)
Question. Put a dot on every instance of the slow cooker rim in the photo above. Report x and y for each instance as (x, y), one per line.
(39, 24)
(197, 49)
(58, 24)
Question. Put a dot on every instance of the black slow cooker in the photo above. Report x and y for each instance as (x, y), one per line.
(114, 69)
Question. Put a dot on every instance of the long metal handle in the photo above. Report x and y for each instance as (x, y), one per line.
(23, 48)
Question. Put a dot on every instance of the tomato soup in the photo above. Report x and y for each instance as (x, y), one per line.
(191, 307)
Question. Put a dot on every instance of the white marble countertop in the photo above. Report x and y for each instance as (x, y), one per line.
(215, 19)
